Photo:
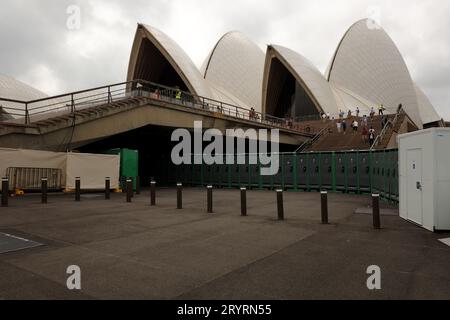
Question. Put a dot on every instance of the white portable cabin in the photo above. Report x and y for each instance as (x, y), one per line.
(424, 164)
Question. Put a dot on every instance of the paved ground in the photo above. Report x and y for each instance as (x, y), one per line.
(133, 251)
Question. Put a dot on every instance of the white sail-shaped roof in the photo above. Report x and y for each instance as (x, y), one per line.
(427, 112)
(305, 73)
(11, 88)
(368, 63)
(173, 53)
(236, 65)
(347, 100)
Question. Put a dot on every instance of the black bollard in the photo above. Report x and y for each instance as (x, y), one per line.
(5, 192)
(210, 198)
(107, 188)
(77, 189)
(132, 187)
(324, 200)
(179, 196)
(376, 211)
(129, 190)
(44, 190)
(280, 205)
(138, 185)
(243, 202)
(153, 193)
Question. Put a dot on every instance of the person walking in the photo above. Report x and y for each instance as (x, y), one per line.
(357, 112)
(339, 126)
(381, 110)
(371, 136)
(364, 134)
(178, 93)
(365, 121)
(344, 126)
(355, 126)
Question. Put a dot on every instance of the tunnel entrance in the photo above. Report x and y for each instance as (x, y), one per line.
(154, 146)
(152, 65)
(286, 97)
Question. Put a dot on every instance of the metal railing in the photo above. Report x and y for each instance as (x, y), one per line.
(30, 178)
(65, 103)
(27, 112)
(385, 129)
(310, 142)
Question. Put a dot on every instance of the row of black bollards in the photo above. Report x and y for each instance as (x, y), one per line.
(129, 196)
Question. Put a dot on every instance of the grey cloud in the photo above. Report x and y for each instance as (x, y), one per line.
(37, 48)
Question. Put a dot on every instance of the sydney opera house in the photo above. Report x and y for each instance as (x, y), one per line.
(367, 70)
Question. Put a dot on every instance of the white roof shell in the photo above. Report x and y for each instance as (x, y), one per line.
(306, 74)
(236, 66)
(347, 100)
(427, 112)
(11, 88)
(174, 54)
(368, 63)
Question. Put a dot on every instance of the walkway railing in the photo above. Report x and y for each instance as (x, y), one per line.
(310, 142)
(27, 112)
(385, 129)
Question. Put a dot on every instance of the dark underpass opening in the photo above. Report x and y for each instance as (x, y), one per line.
(155, 148)
(286, 97)
(153, 66)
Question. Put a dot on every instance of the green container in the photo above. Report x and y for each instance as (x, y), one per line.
(129, 165)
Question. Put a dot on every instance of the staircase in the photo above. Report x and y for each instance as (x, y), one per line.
(384, 140)
(350, 140)
(90, 113)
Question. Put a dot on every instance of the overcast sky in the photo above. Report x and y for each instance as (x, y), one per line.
(38, 47)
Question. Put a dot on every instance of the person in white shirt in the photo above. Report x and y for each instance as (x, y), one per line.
(339, 126)
(371, 136)
(365, 121)
(355, 126)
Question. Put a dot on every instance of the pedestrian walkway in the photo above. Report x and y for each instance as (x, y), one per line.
(135, 251)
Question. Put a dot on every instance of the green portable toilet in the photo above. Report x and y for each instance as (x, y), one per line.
(129, 165)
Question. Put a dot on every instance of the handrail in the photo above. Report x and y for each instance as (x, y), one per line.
(385, 129)
(314, 139)
(210, 100)
(70, 101)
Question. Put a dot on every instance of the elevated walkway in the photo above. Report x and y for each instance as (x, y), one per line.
(70, 121)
